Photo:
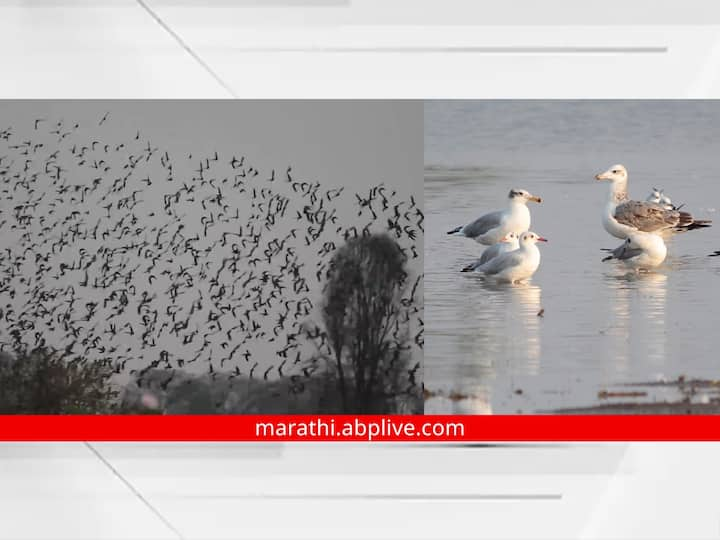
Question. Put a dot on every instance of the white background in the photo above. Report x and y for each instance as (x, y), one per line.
(358, 48)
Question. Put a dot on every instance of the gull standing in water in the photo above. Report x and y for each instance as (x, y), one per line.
(490, 228)
(509, 242)
(515, 266)
(622, 216)
(640, 251)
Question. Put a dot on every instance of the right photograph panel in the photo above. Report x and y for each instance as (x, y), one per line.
(571, 260)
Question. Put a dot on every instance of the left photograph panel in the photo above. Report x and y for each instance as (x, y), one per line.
(211, 257)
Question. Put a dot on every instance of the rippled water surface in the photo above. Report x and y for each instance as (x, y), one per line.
(487, 350)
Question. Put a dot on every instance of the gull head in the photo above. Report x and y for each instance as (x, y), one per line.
(520, 195)
(615, 174)
(656, 196)
(529, 237)
(509, 238)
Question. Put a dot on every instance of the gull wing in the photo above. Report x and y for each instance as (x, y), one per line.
(483, 224)
(623, 252)
(646, 216)
(500, 263)
(489, 253)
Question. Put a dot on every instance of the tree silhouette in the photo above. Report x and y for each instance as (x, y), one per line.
(367, 321)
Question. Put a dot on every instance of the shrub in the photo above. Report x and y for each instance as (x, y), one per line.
(43, 381)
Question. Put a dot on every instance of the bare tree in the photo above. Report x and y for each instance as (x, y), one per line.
(366, 316)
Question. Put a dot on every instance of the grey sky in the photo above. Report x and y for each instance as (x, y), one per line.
(340, 142)
(355, 144)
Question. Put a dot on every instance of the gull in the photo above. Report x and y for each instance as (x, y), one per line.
(490, 228)
(509, 242)
(622, 216)
(640, 251)
(515, 266)
(658, 196)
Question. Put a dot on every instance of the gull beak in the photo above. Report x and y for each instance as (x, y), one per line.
(602, 176)
(535, 198)
(541, 239)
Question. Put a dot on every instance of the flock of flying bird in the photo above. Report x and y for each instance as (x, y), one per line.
(513, 256)
(115, 250)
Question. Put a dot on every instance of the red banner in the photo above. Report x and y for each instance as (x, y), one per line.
(360, 428)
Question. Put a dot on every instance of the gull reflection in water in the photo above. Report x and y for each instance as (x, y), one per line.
(637, 328)
(650, 320)
(502, 330)
(466, 405)
(478, 405)
(517, 324)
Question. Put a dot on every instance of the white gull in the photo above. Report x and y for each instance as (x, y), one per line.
(640, 251)
(658, 196)
(490, 228)
(518, 265)
(509, 242)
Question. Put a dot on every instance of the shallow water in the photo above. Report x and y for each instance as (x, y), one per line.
(487, 348)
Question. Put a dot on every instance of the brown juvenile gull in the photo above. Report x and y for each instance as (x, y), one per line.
(622, 216)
